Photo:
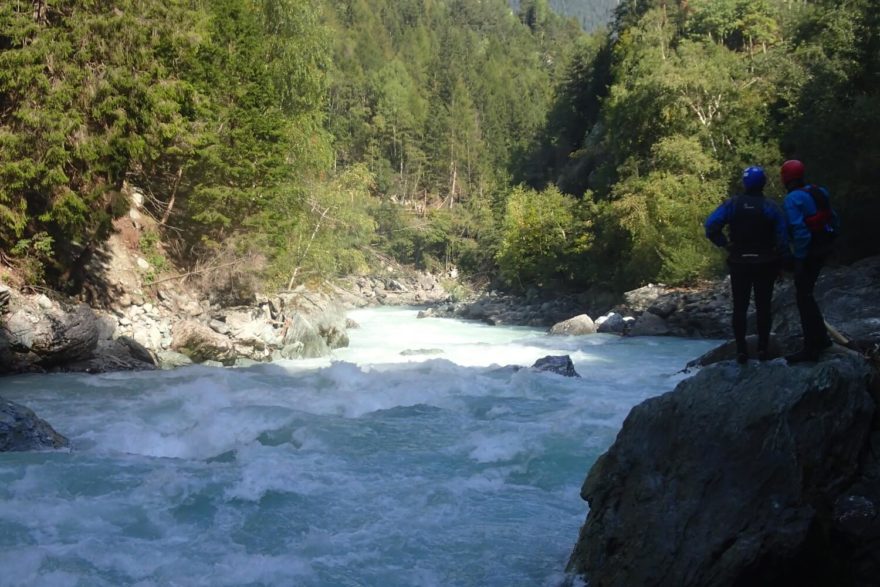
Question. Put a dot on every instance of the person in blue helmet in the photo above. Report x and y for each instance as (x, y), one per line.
(813, 226)
(756, 241)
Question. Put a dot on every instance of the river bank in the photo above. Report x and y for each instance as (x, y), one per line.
(147, 327)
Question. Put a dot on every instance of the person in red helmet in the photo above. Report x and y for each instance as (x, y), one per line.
(812, 225)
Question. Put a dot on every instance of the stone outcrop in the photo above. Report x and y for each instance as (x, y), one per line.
(41, 334)
(22, 430)
(495, 308)
(396, 288)
(49, 333)
(702, 311)
(846, 294)
(757, 475)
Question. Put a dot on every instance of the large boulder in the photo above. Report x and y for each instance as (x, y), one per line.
(303, 340)
(198, 342)
(44, 333)
(740, 476)
(21, 429)
(580, 324)
(649, 324)
(777, 347)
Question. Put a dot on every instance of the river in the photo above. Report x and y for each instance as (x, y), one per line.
(413, 457)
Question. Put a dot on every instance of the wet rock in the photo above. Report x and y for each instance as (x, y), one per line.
(22, 430)
(559, 364)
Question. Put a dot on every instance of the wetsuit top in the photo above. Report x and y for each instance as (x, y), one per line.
(801, 211)
(756, 226)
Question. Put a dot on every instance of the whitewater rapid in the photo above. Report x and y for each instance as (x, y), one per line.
(414, 457)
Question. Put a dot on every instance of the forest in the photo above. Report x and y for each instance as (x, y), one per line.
(316, 138)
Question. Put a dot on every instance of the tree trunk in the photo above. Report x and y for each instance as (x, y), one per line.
(170, 207)
(308, 246)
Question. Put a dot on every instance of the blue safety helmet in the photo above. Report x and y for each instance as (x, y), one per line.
(754, 178)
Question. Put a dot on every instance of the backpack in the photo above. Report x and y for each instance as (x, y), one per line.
(752, 232)
(819, 224)
(821, 220)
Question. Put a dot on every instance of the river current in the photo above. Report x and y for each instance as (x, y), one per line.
(413, 457)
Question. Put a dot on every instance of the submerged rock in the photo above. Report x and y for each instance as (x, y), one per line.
(417, 352)
(21, 430)
(740, 476)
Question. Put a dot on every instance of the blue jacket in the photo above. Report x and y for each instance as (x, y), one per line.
(799, 204)
(723, 216)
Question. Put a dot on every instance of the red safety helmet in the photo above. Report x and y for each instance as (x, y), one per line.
(792, 170)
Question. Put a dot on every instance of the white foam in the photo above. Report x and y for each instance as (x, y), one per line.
(370, 467)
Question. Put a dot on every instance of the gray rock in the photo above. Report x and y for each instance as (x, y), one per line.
(219, 326)
(579, 325)
(778, 347)
(612, 323)
(53, 336)
(21, 430)
(138, 351)
(303, 331)
(122, 354)
(198, 342)
(172, 360)
(649, 324)
(559, 364)
(726, 480)
(639, 300)
(848, 297)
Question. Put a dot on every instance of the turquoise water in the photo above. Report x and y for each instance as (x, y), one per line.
(436, 467)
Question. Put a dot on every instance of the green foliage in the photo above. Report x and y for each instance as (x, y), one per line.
(149, 245)
(312, 134)
(542, 234)
(322, 232)
(214, 109)
(697, 91)
(32, 255)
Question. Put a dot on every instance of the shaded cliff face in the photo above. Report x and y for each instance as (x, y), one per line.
(753, 475)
